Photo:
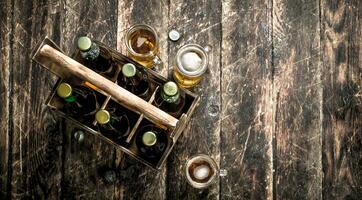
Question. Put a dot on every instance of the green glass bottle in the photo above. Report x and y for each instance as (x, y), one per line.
(132, 80)
(113, 125)
(151, 142)
(78, 100)
(94, 58)
(170, 99)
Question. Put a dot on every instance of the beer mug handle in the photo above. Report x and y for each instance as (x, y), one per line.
(157, 61)
(223, 172)
(207, 48)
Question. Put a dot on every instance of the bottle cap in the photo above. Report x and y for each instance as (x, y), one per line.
(64, 90)
(174, 35)
(84, 43)
(149, 138)
(170, 88)
(129, 70)
(103, 117)
(79, 136)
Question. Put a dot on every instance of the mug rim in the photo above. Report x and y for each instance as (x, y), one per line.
(198, 49)
(213, 166)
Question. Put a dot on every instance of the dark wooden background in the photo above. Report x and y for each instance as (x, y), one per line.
(281, 103)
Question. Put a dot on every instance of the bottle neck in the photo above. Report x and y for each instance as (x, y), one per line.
(92, 53)
(170, 99)
(70, 99)
(112, 119)
(129, 78)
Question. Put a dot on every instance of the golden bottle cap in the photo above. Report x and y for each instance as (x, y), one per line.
(84, 43)
(129, 70)
(64, 90)
(170, 88)
(149, 138)
(103, 117)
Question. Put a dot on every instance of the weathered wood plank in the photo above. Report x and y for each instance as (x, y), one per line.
(342, 100)
(297, 87)
(198, 22)
(247, 101)
(5, 50)
(140, 182)
(36, 136)
(87, 163)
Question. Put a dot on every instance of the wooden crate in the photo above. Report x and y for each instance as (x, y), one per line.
(89, 124)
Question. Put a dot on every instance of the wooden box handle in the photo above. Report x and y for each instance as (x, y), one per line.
(121, 95)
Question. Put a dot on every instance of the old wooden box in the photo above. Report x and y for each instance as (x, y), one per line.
(105, 100)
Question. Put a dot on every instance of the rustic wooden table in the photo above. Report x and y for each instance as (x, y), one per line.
(281, 103)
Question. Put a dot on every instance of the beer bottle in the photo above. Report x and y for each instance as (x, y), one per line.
(170, 99)
(151, 142)
(132, 80)
(94, 58)
(79, 100)
(113, 125)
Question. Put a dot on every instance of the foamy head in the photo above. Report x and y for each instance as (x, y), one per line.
(201, 171)
(191, 61)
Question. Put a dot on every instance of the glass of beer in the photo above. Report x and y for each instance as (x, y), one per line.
(142, 45)
(191, 64)
(201, 171)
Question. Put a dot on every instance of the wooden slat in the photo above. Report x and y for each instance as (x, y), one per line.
(298, 91)
(138, 181)
(247, 104)
(5, 35)
(36, 134)
(342, 100)
(198, 22)
(86, 163)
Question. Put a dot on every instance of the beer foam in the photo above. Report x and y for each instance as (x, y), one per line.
(201, 172)
(191, 61)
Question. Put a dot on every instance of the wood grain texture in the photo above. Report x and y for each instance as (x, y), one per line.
(342, 109)
(247, 109)
(5, 87)
(150, 184)
(86, 164)
(280, 104)
(36, 134)
(298, 91)
(198, 22)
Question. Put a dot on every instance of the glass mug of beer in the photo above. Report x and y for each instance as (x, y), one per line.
(202, 170)
(191, 64)
(142, 45)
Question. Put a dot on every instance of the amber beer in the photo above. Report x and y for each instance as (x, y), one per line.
(142, 45)
(191, 64)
